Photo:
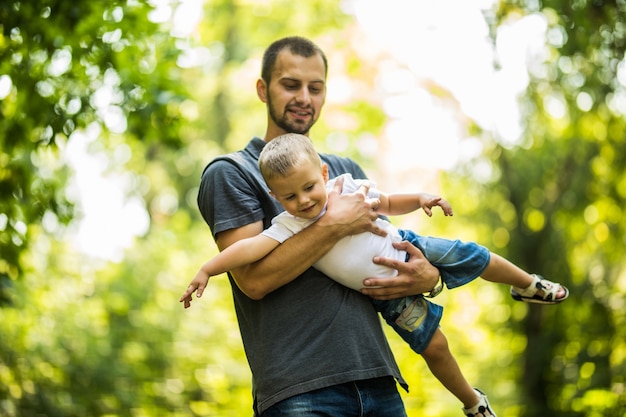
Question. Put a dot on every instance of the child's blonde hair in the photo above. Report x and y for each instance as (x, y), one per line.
(284, 152)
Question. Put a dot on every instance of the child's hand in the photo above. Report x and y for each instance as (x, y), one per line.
(198, 284)
(429, 201)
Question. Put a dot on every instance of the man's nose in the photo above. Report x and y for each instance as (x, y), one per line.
(303, 96)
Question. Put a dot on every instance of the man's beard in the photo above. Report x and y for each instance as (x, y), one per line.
(285, 124)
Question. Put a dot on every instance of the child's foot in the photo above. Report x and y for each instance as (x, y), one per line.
(540, 291)
(481, 409)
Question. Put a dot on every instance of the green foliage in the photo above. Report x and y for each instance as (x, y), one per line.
(67, 65)
(114, 341)
(82, 336)
(555, 205)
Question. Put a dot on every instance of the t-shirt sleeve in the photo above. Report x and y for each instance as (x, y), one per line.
(226, 200)
(285, 226)
(278, 232)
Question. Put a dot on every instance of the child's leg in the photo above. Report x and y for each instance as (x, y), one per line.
(445, 368)
(503, 271)
(416, 320)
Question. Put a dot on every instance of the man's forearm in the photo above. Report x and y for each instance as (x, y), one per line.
(345, 215)
(289, 260)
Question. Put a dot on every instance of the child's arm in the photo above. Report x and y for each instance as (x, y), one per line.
(240, 253)
(397, 204)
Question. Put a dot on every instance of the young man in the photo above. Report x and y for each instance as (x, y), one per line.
(298, 180)
(304, 350)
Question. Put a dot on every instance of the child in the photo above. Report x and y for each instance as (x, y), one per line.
(299, 181)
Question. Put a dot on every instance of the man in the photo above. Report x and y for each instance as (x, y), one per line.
(314, 346)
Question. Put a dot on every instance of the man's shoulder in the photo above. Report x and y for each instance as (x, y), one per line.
(233, 159)
(328, 157)
(340, 165)
(244, 158)
(224, 167)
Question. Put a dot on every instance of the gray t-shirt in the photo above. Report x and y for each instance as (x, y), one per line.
(311, 333)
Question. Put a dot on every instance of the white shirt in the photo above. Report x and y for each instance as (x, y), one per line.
(349, 262)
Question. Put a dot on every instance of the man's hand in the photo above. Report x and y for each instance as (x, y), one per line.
(415, 276)
(353, 213)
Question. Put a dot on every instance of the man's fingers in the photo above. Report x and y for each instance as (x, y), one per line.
(379, 231)
(383, 288)
(408, 248)
(363, 189)
(338, 185)
(373, 202)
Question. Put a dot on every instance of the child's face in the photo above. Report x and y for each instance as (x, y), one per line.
(302, 192)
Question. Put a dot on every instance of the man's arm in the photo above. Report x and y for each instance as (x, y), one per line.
(345, 215)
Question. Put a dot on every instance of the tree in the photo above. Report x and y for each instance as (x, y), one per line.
(82, 336)
(64, 67)
(560, 195)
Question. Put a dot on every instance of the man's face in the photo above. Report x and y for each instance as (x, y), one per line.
(296, 93)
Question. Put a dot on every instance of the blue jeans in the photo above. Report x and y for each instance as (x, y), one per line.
(376, 397)
(415, 318)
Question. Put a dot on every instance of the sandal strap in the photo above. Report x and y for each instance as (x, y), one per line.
(549, 288)
(482, 407)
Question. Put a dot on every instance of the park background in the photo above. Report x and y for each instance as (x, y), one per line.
(514, 111)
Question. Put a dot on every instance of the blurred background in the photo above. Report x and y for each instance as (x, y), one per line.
(514, 111)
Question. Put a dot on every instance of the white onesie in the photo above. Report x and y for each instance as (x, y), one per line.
(349, 262)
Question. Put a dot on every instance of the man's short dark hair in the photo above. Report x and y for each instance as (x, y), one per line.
(297, 45)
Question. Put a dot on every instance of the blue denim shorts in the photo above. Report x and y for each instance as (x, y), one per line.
(415, 318)
(458, 262)
(427, 318)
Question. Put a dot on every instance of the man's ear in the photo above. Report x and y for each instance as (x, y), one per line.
(261, 90)
(325, 172)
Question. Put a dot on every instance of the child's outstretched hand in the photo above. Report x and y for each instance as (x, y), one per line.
(429, 201)
(198, 284)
